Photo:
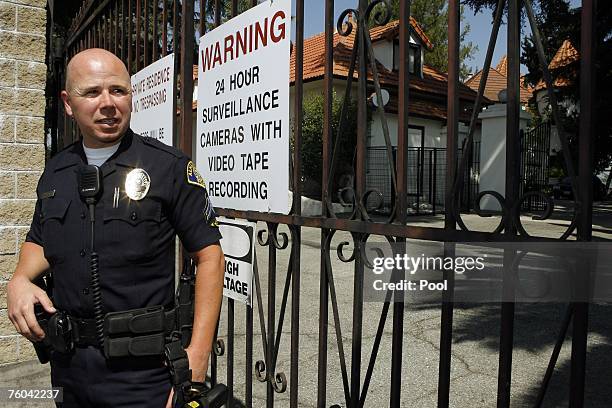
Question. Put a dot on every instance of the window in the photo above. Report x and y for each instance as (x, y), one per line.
(414, 58)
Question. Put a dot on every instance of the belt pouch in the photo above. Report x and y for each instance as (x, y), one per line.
(136, 321)
(141, 346)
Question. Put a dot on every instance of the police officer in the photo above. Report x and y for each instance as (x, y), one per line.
(150, 193)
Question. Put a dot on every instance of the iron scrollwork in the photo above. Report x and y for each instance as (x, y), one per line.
(265, 369)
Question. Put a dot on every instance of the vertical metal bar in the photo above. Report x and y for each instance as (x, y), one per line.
(165, 28)
(217, 13)
(429, 175)
(116, 21)
(400, 194)
(175, 30)
(94, 35)
(155, 31)
(111, 31)
(102, 31)
(580, 324)
(214, 361)
(230, 352)
(435, 180)
(248, 381)
(360, 189)
(452, 134)
(177, 61)
(145, 36)
(121, 34)
(202, 25)
(271, 318)
(187, 47)
(234, 8)
(506, 338)
(297, 199)
(137, 42)
(326, 153)
(129, 36)
(323, 320)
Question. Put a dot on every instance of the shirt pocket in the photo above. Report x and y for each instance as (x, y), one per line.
(132, 230)
(53, 223)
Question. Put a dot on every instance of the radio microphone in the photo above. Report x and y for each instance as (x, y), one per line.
(90, 186)
(90, 183)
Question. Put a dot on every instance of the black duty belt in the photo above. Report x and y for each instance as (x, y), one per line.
(132, 333)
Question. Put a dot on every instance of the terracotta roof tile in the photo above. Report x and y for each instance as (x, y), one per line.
(566, 54)
(433, 81)
(502, 66)
(497, 82)
(425, 108)
(391, 30)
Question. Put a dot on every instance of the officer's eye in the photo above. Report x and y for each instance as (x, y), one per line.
(91, 92)
(119, 91)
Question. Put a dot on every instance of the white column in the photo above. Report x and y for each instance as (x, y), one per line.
(493, 152)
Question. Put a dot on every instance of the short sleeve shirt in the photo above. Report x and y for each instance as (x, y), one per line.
(134, 233)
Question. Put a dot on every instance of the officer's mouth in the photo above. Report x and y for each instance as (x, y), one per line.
(109, 122)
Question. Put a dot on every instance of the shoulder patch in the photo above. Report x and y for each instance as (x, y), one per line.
(193, 175)
(161, 146)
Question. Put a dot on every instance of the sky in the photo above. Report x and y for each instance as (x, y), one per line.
(480, 27)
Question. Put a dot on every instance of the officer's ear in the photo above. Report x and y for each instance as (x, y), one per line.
(66, 99)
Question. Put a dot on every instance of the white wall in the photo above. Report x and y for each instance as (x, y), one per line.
(493, 152)
(383, 51)
(433, 131)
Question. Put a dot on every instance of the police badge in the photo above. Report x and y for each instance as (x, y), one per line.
(137, 184)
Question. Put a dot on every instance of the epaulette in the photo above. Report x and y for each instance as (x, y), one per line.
(161, 146)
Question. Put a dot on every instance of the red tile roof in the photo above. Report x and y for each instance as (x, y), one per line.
(497, 81)
(502, 66)
(433, 81)
(565, 55)
(391, 30)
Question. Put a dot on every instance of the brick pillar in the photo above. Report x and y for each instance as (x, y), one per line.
(22, 144)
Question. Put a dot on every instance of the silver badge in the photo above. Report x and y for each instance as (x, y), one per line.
(137, 184)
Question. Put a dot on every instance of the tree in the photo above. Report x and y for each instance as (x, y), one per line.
(557, 21)
(312, 142)
(432, 15)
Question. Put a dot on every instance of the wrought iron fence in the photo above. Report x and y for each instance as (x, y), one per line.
(426, 179)
(535, 157)
(141, 31)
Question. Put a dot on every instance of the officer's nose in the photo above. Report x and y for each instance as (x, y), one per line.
(106, 100)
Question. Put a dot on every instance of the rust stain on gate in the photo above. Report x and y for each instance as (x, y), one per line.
(142, 31)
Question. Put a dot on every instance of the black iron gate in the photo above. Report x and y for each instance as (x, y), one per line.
(426, 179)
(535, 156)
(141, 31)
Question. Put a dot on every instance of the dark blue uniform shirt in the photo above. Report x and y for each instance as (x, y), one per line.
(134, 238)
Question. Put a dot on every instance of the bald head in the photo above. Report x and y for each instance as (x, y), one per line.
(93, 59)
(98, 96)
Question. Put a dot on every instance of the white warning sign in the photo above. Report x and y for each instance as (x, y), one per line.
(243, 109)
(238, 245)
(152, 101)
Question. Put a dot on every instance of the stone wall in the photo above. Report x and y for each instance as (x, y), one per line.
(22, 147)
